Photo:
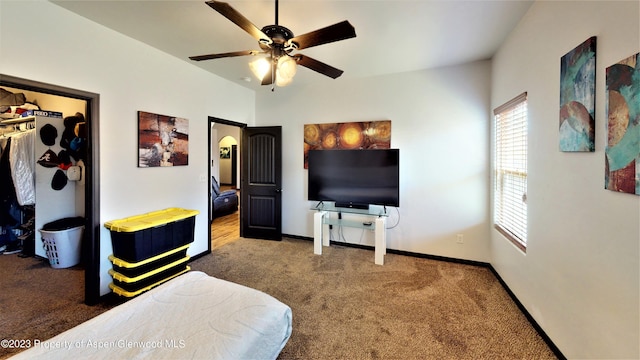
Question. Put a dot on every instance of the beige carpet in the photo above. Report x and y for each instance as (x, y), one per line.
(344, 306)
(38, 302)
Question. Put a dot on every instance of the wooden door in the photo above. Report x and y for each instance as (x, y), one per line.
(261, 183)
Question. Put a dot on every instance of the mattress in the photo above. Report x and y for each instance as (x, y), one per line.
(193, 316)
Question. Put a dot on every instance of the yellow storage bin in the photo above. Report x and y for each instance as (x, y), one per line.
(149, 220)
(122, 292)
(132, 270)
(140, 237)
(149, 279)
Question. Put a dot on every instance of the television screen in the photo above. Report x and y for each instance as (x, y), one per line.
(355, 178)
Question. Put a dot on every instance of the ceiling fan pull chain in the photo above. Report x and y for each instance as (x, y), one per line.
(273, 76)
(273, 63)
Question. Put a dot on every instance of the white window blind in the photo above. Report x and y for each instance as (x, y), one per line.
(510, 192)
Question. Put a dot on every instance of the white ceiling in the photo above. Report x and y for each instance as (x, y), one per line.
(392, 35)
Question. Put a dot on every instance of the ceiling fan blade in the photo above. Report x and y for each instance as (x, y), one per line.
(336, 32)
(224, 55)
(232, 14)
(318, 66)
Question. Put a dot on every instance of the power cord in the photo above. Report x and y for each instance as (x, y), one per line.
(397, 222)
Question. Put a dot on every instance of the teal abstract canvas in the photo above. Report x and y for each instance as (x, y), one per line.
(622, 153)
(577, 98)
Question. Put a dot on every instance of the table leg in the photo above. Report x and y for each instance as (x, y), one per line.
(381, 240)
(318, 226)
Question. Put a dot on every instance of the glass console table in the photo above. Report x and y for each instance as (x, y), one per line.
(376, 219)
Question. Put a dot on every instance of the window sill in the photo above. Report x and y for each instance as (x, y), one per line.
(512, 238)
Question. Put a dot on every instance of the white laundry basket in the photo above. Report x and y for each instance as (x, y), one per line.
(63, 247)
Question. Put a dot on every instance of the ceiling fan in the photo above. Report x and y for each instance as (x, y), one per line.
(277, 43)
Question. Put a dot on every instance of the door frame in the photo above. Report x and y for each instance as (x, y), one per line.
(234, 165)
(92, 191)
(210, 123)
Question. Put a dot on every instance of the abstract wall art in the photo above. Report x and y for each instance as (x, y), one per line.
(622, 152)
(577, 98)
(349, 135)
(162, 140)
(225, 152)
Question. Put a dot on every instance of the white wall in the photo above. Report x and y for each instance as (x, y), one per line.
(43, 42)
(439, 121)
(226, 135)
(579, 277)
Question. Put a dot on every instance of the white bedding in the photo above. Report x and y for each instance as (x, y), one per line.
(193, 316)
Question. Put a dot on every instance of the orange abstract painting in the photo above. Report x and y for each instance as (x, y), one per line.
(345, 136)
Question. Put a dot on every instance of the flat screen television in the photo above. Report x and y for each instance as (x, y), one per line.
(355, 178)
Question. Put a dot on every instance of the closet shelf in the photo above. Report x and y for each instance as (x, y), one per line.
(18, 120)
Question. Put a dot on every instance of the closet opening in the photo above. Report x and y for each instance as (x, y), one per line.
(90, 172)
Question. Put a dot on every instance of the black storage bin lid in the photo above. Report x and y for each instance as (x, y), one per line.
(64, 224)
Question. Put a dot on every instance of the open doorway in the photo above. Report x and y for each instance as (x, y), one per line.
(225, 193)
(90, 193)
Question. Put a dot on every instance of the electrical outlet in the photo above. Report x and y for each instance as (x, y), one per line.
(460, 239)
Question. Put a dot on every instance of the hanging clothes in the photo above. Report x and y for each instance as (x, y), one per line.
(22, 163)
(9, 211)
(7, 191)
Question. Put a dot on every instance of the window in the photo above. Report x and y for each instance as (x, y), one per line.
(510, 177)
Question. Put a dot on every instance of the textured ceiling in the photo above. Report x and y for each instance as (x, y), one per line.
(392, 36)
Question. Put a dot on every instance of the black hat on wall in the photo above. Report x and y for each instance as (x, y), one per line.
(59, 180)
(69, 134)
(49, 159)
(48, 134)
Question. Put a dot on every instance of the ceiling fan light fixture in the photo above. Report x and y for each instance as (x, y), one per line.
(260, 67)
(285, 70)
(282, 81)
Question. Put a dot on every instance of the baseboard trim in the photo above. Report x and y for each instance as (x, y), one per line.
(556, 351)
(198, 256)
(297, 237)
